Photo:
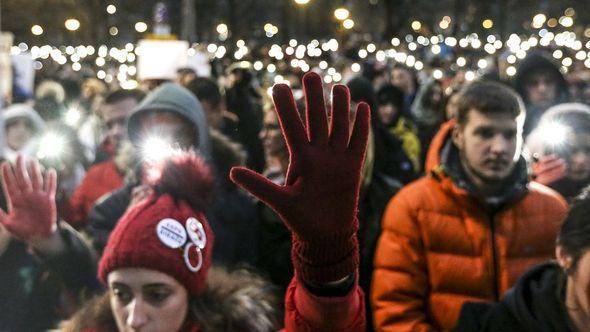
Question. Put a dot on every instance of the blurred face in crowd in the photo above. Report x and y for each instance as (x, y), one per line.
(18, 133)
(489, 146)
(271, 135)
(115, 119)
(147, 300)
(578, 159)
(387, 112)
(402, 79)
(184, 77)
(168, 126)
(451, 108)
(541, 89)
(214, 113)
(577, 297)
(437, 94)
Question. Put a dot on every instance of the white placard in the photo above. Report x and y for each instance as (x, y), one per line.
(160, 59)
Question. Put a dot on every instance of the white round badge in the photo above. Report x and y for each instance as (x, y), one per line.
(171, 233)
(196, 232)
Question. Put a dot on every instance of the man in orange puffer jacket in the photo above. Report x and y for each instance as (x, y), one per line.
(471, 227)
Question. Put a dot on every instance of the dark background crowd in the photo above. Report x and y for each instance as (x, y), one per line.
(466, 182)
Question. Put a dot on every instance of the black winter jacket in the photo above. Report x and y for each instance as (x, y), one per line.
(535, 304)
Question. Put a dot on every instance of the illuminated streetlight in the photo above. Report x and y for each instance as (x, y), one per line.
(111, 9)
(487, 23)
(141, 27)
(341, 14)
(113, 31)
(302, 2)
(36, 30)
(72, 24)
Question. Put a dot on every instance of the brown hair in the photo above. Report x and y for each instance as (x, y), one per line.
(489, 97)
(234, 301)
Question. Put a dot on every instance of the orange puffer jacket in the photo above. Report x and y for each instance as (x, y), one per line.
(441, 247)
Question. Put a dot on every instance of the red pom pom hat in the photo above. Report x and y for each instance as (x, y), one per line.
(167, 231)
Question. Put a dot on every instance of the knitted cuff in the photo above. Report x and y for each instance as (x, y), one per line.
(329, 259)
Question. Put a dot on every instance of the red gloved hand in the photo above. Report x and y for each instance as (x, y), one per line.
(549, 169)
(318, 202)
(32, 212)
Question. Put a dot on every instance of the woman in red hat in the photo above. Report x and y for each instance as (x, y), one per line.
(157, 261)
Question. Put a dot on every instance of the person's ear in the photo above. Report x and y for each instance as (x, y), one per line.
(563, 258)
(458, 136)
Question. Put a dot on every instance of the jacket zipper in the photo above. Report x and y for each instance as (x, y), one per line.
(495, 271)
(494, 260)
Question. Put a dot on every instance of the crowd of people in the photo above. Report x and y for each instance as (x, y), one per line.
(391, 202)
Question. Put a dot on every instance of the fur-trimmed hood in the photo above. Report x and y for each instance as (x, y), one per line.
(236, 300)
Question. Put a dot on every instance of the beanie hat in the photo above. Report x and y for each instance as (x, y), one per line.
(167, 231)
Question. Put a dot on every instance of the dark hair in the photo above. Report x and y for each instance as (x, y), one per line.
(361, 89)
(205, 89)
(574, 235)
(121, 94)
(489, 97)
(389, 94)
(185, 71)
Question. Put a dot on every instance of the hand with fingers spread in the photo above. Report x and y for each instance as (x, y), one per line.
(318, 202)
(30, 196)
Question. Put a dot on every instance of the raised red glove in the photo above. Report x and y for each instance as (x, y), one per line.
(318, 202)
(549, 169)
(32, 212)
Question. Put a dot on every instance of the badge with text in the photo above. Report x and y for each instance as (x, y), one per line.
(171, 233)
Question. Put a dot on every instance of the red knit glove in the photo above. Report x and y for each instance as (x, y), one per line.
(318, 202)
(549, 169)
(32, 212)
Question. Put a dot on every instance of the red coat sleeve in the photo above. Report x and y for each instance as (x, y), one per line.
(307, 312)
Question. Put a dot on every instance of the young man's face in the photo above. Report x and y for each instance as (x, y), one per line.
(115, 116)
(541, 89)
(489, 145)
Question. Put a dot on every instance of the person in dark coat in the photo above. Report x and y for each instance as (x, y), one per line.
(244, 101)
(552, 296)
(386, 169)
(173, 111)
(209, 94)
